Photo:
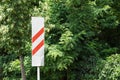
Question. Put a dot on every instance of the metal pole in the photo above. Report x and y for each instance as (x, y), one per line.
(38, 73)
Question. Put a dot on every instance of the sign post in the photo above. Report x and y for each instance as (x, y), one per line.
(38, 73)
(38, 43)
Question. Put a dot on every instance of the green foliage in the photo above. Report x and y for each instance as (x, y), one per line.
(81, 38)
(111, 68)
(16, 19)
(11, 68)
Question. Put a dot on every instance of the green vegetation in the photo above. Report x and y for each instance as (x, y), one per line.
(82, 39)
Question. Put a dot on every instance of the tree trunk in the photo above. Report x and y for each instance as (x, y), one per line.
(1, 72)
(22, 68)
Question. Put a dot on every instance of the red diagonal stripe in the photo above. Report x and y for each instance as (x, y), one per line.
(37, 34)
(37, 47)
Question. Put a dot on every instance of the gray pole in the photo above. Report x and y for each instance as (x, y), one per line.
(38, 73)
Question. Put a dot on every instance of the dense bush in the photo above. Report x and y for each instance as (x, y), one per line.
(111, 68)
(81, 39)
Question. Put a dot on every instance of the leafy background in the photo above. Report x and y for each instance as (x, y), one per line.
(82, 39)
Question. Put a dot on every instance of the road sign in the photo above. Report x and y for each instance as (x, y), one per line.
(37, 41)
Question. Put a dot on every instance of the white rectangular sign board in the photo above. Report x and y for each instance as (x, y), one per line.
(37, 41)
